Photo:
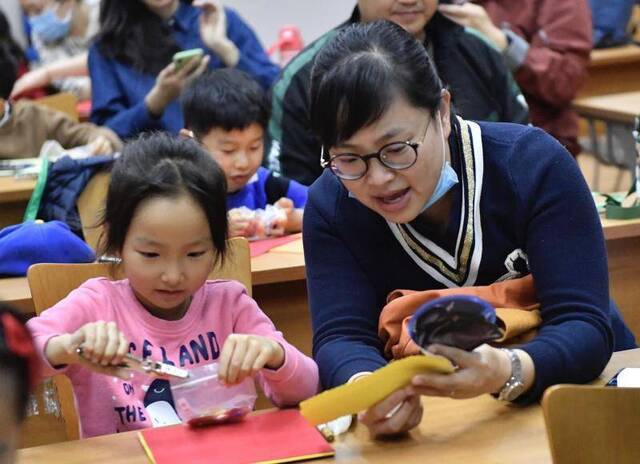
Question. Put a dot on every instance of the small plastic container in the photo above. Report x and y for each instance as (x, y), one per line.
(202, 399)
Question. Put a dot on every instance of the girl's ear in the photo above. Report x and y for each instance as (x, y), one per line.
(103, 239)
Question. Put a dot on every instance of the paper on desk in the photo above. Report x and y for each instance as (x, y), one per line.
(629, 377)
(358, 396)
(295, 246)
(260, 247)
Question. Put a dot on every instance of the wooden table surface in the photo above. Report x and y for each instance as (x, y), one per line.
(479, 430)
(612, 70)
(12, 189)
(14, 196)
(604, 57)
(279, 265)
(283, 264)
(620, 228)
(616, 107)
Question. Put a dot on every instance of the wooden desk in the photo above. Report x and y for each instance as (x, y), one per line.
(617, 107)
(479, 430)
(612, 116)
(279, 266)
(613, 70)
(622, 239)
(16, 292)
(280, 289)
(14, 196)
(273, 267)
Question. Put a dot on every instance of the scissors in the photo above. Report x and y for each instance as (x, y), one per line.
(148, 366)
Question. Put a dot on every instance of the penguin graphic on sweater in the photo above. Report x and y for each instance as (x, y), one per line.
(158, 402)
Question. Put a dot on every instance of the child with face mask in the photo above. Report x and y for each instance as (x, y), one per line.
(60, 30)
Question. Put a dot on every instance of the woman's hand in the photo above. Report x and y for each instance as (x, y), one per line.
(475, 16)
(35, 79)
(100, 146)
(103, 348)
(170, 82)
(397, 413)
(484, 370)
(244, 355)
(213, 31)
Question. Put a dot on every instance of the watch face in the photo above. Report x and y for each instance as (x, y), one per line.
(513, 391)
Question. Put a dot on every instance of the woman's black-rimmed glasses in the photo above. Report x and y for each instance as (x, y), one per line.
(394, 155)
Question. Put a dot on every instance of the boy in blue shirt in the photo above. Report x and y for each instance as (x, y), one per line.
(228, 112)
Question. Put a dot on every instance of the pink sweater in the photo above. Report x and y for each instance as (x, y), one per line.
(109, 405)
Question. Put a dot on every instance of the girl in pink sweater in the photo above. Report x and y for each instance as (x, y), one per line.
(165, 218)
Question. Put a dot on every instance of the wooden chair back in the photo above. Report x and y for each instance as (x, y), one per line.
(63, 101)
(90, 205)
(50, 283)
(588, 424)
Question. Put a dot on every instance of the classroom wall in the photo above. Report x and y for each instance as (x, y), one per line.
(313, 17)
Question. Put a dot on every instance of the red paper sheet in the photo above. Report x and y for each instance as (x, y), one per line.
(260, 247)
(272, 437)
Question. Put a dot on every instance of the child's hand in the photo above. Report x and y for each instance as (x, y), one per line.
(100, 146)
(103, 348)
(293, 222)
(280, 226)
(244, 355)
(241, 225)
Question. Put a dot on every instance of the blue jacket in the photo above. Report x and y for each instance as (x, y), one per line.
(119, 91)
(531, 211)
(66, 180)
(265, 189)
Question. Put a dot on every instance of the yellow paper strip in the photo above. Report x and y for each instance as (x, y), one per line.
(358, 396)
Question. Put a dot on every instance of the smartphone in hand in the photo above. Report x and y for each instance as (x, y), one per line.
(183, 57)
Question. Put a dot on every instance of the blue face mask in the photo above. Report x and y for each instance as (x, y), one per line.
(448, 177)
(48, 27)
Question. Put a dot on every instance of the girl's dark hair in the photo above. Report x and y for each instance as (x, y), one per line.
(11, 56)
(134, 35)
(161, 165)
(226, 98)
(358, 73)
(17, 356)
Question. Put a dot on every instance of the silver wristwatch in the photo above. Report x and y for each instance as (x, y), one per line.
(514, 386)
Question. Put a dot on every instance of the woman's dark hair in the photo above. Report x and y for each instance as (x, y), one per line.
(18, 362)
(226, 98)
(133, 34)
(161, 165)
(10, 58)
(358, 73)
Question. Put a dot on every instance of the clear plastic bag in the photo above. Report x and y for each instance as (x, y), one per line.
(268, 222)
(202, 399)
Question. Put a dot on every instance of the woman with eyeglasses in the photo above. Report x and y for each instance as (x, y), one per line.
(414, 197)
